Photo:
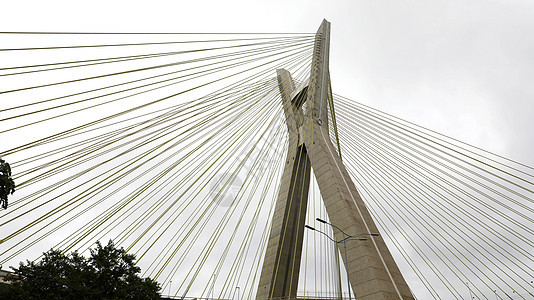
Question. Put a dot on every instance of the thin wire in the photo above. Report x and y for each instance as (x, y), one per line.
(131, 44)
(147, 33)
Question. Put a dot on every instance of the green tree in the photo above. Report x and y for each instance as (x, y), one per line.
(109, 273)
(7, 185)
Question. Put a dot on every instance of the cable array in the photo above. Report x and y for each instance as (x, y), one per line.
(173, 154)
(457, 214)
(173, 145)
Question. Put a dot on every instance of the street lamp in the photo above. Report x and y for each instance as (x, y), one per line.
(237, 289)
(346, 237)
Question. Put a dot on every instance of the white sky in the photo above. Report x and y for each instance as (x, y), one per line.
(463, 68)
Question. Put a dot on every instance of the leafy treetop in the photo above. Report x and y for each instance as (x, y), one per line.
(109, 273)
(7, 185)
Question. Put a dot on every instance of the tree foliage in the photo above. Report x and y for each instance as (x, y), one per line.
(7, 185)
(109, 273)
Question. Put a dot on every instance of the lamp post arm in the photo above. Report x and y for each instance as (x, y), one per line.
(327, 236)
(337, 228)
(356, 237)
(324, 222)
(351, 239)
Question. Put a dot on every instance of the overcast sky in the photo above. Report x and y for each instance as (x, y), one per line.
(462, 68)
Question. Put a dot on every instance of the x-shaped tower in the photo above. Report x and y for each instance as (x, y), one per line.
(373, 274)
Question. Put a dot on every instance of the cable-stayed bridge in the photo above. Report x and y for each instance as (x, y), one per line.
(175, 147)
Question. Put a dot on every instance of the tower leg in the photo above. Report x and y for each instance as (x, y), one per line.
(373, 274)
(280, 273)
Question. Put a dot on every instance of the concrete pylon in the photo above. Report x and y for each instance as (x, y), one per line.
(280, 273)
(373, 274)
